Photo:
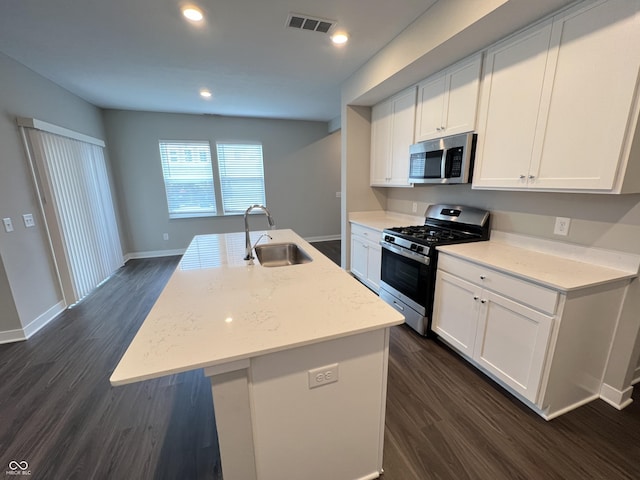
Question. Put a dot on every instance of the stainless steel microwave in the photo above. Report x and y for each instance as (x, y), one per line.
(443, 160)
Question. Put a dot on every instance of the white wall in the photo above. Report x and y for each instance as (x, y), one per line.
(33, 287)
(302, 175)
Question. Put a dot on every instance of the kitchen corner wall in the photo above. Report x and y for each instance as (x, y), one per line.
(301, 163)
(29, 289)
(444, 34)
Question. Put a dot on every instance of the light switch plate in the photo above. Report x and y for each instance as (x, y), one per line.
(8, 226)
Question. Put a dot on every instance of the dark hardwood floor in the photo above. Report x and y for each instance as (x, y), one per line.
(445, 420)
(330, 248)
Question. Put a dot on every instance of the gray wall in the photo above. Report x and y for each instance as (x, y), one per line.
(302, 175)
(604, 221)
(33, 287)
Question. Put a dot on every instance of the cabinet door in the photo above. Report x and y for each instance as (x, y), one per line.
(511, 343)
(402, 134)
(508, 113)
(589, 96)
(429, 122)
(461, 97)
(455, 311)
(359, 257)
(374, 265)
(380, 143)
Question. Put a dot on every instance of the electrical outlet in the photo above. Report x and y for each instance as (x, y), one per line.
(165, 236)
(338, 194)
(562, 226)
(8, 226)
(27, 218)
(414, 207)
(323, 375)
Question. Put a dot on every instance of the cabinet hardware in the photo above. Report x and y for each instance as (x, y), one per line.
(482, 277)
(531, 177)
(522, 176)
(483, 301)
(475, 297)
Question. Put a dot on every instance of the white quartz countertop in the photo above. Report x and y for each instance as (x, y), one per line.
(379, 220)
(217, 309)
(546, 269)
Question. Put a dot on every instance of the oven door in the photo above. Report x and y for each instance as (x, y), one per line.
(408, 276)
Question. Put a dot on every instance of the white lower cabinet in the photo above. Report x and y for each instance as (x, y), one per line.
(506, 338)
(511, 342)
(366, 255)
(548, 347)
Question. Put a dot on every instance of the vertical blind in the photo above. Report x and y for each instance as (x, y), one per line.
(77, 193)
(188, 178)
(241, 176)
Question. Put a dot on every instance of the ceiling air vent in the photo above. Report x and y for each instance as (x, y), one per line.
(306, 22)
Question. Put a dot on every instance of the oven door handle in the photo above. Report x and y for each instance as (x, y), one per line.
(403, 252)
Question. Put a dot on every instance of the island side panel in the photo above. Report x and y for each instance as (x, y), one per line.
(232, 407)
(329, 431)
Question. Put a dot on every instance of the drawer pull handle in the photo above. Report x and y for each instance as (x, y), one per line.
(482, 277)
(522, 176)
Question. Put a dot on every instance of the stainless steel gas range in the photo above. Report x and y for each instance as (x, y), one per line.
(409, 258)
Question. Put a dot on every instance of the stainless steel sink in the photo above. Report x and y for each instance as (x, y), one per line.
(281, 254)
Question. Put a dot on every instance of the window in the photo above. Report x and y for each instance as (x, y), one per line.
(187, 169)
(241, 176)
(188, 178)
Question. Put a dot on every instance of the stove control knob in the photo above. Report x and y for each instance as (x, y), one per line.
(414, 246)
(420, 249)
(389, 239)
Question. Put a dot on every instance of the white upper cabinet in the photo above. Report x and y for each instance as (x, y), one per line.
(559, 105)
(447, 101)
(392, 129)
(510, 100)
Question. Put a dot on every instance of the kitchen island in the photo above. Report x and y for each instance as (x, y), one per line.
(297, 357)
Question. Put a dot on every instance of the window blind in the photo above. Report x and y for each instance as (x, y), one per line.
(241, 176)
(188, 178)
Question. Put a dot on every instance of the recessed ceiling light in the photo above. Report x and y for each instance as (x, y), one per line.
(192, 13)
(205, 93)
(340, 38)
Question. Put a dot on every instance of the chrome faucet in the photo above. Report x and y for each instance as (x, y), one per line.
(272, 224)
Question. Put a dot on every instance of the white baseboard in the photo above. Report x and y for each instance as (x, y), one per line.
(616, 398)
(43, 319)
(29, 330)
(323, 238)
(10, 336)
(636, 376)
(154, 254)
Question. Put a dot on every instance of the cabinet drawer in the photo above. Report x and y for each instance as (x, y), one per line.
(540, 298)
(368, 233)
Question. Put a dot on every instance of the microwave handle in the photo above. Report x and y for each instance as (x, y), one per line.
(405, 253)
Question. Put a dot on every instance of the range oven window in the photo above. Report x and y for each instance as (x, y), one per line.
(409, 277)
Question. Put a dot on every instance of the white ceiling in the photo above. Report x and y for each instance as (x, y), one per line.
(142, 55)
